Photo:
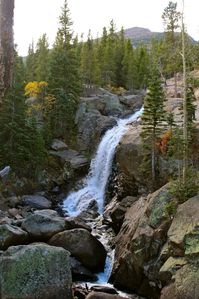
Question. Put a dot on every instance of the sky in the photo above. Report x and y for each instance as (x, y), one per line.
(35, 17)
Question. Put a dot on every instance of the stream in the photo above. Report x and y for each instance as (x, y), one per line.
(94, 188)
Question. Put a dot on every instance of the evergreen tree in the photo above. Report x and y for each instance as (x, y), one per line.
(128, 65)
(42, 59)
(31, 64)
(21, 145)
(141, 60)
(119, 57)
(101, 57)
(152, 122)
(64, 80)
(171, 18)
(89, 63)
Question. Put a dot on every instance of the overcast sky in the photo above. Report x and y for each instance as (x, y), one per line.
(35, 17)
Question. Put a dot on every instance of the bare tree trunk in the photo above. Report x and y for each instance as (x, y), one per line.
(153, 158)
(185, 129)
(6, 45)
(175, 85)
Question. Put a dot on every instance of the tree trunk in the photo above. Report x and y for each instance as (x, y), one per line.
(153, 158)
(185, 128)
(175, 85)
(6, 45)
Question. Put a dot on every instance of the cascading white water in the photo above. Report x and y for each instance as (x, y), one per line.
(100, 170)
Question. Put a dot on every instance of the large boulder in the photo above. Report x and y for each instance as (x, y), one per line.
(36, 201)
(83, 246)
(139, 242)
(42, 225)
(35, 271)
(12, 235)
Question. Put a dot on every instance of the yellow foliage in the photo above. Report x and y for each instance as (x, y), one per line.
(117, 90)
(44, 102)
(36, 89)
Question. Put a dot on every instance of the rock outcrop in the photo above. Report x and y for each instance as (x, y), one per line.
(129, 155)
(139, 242)
(156, 252)
(181, 270)
(35, 271)
(97, 114)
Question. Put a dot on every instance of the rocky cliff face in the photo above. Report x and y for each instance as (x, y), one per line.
(97, 114)
(155, 251)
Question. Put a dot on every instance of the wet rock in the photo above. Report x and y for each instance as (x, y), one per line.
(11, 235)
(42, 225)
(35, 271)
(80, 273)
(76, 222)
(83, 246)
(80, 292)
(89, 214)
(100, 295)
(118, 212)
(36, 202)
(104, 289)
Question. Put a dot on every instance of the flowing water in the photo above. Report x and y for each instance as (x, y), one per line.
(100, 169)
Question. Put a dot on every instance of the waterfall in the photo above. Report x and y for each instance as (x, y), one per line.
(100, 169)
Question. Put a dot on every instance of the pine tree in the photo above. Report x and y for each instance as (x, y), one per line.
(128, 65)
(21, 146)
(141, 60)
(171, 18)
(89, 63)
(152, 121)
(64, 79)
(31, 64)
(101, 57)
(42, 59)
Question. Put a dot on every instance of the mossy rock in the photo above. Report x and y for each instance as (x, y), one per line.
(35, 271)
(158, 206)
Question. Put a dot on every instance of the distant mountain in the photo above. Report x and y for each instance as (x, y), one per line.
(139, 35)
